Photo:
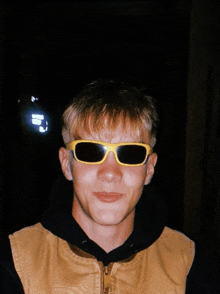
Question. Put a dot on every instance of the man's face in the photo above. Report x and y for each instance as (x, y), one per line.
(106, 194)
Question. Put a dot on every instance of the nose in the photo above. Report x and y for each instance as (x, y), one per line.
(110, 171)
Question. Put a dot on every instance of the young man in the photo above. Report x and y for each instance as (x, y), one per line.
(106, 232)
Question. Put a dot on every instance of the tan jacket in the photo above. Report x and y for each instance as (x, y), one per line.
(46, 264)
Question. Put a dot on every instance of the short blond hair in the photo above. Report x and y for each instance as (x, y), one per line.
(104, 105)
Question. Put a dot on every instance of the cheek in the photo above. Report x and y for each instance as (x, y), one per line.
(83, 174)
(135, 177)
(83, 180)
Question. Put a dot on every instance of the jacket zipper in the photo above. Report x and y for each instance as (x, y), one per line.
(105, 278)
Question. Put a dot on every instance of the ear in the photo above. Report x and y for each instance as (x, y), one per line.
(65, 163)
(151, 162)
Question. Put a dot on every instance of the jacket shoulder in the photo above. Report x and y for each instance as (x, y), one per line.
(176, 238)
(35, 231)
(30, 241)
(176, 248)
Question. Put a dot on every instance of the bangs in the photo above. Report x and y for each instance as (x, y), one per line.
(105, 124)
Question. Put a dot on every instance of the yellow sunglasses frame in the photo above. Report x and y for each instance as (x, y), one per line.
(110, 147)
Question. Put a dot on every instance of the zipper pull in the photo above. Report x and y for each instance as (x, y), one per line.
(106, 280)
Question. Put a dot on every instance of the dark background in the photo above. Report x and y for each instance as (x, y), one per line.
(50, 49)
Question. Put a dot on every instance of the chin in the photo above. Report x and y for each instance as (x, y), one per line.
(108, 219)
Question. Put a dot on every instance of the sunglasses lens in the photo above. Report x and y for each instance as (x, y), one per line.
(131, 154)
(89, 152)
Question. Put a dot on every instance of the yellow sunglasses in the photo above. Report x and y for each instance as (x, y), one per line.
(95, 152)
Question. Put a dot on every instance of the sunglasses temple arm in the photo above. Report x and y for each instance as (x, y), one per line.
(146, 159)
(73, 154)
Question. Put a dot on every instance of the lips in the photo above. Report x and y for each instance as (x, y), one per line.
(108, 196)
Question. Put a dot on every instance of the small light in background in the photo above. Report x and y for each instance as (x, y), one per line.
(33, 99)
(40, 122)
(34, 117)
(37, 119)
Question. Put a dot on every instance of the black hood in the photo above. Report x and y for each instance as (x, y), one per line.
(150, 220)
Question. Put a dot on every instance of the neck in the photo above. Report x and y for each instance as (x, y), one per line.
(108, 237)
